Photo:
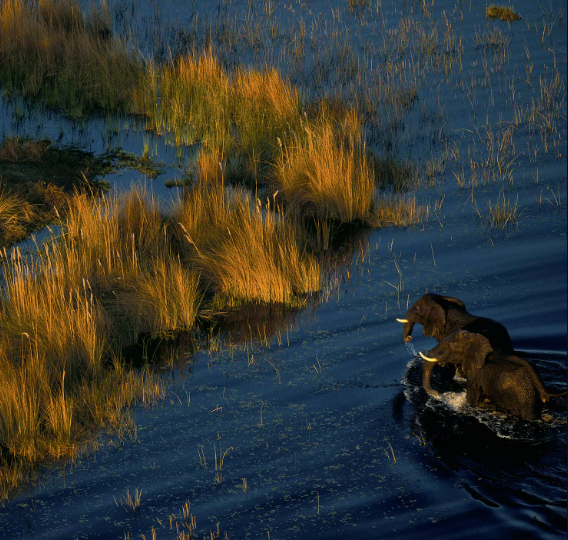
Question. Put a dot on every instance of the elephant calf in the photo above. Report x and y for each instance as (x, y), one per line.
(510, 383)
(441, 316)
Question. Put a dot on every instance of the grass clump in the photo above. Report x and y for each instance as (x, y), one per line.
(67, 314)
(503, 13)
(400, 210)
(503, 213)
(16, 216)
(263, 106)
(51, 52)
(323, 171)
(193, 93)
(244, 251)
(121, 246)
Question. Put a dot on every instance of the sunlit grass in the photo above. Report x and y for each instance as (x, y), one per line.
(323, 171)
(15, 216)
(398, 210)
(502, 12)
(255, 118)
(67, 313)
(243, 250)
(194, 99)
(51, 53)
(122, 269)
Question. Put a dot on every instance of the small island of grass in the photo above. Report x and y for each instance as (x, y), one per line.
(503, 13)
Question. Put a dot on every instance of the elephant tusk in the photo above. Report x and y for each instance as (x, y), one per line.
(426, 358)
(402, 320)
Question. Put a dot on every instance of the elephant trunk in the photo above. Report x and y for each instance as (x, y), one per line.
(407, 331)
(426, 373)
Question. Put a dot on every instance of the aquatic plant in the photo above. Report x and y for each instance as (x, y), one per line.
(323, 171)
(50, 52)
(503, 213)
(241, 247)
(503, 13)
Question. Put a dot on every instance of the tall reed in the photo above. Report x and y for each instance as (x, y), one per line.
(51, 52)
(323, 171)
(244, 250)
(66, 314)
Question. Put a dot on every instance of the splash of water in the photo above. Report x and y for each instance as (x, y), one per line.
(411, 350)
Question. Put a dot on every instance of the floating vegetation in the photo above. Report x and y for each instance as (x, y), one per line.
(503, 13)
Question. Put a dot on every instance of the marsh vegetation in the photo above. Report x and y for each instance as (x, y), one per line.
(297, 134)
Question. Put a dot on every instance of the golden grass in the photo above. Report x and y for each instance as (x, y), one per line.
(16, 212)
(356, 5)
(48, 52)
(194, 99)
(503, 13)
(244, 251)
(263, 106)
(119, 271)
(67, 313)
(399, 210)
(15, 216)
(242, 114)
(254, 117)
(121, 245)
(324, 172)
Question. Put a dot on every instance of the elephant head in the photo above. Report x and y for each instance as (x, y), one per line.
(467, 349)
(431, 312)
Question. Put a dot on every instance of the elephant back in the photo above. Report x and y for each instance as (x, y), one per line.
(495, 332)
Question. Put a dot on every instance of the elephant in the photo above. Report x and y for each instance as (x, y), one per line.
(444, 315)
(509, 382)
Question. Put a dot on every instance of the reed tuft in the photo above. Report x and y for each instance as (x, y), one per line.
(324, 173)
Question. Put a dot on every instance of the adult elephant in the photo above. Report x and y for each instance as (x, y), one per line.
(510, 383)
(441, 316)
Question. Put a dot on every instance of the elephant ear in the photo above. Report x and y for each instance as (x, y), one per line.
(478, 349)
(456, 301)
(435, 321)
